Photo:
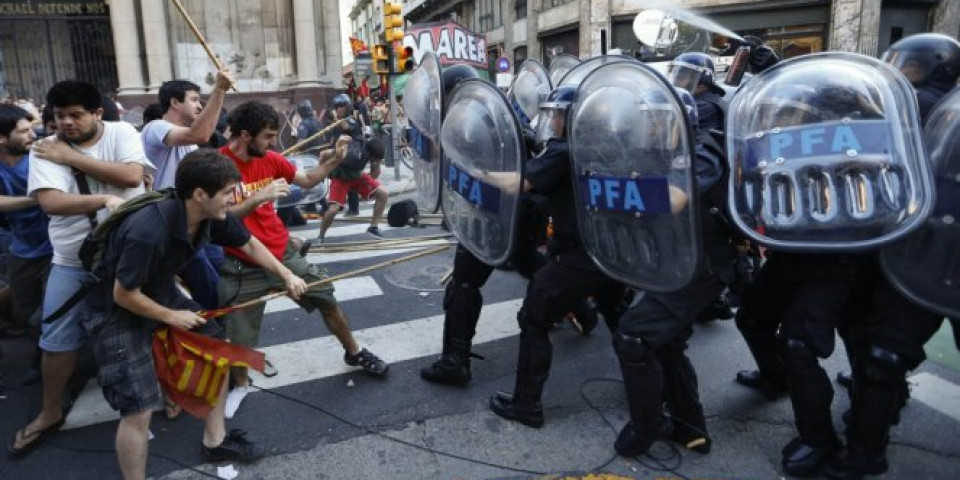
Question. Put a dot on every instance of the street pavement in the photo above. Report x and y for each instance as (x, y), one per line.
(320, 419)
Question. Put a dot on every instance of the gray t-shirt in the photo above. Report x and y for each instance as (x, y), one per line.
(165, 157)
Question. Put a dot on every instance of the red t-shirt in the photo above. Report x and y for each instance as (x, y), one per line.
(263, 221)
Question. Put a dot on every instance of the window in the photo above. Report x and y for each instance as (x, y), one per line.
(792, 41)
(520, 9)
(554, 3)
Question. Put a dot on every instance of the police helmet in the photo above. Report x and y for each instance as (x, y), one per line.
(691, 69)
(342, 100)
(551, 120)
(454, 74)
(926, 58)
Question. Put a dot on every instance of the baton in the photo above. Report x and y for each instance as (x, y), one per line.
(301, 143)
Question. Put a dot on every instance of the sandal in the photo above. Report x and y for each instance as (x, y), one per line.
(171, 410)
(29, 441)
(268, 369)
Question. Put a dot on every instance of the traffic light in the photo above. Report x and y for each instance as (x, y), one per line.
(381, 60)
(392, 22)
(404, 59)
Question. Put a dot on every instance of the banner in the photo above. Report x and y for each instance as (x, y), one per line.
(357, 46)
(191, 367)
(450, 41)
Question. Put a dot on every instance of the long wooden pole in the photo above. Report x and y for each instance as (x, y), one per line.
(301, 143)
(203, 42)
(270, 296)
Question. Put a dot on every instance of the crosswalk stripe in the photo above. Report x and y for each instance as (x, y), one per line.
(329, 258)
(337, 230)
(322, 357)
(936, 393)
(346, 289)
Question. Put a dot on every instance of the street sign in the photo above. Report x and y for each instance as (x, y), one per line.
(503, 64)
(363, 67)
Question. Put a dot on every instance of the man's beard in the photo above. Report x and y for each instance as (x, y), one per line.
(17, 150)
(84, 136)
(253, 152)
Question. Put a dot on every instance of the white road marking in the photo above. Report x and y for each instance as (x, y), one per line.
(346, 289)
(936, 393)
(322, 357)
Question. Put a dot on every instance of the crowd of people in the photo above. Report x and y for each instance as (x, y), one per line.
(211, 226)
(61, 184)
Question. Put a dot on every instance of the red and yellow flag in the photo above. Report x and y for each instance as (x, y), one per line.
(191, 367)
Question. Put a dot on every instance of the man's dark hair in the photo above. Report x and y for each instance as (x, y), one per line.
(207, 169)
(253, 117)
(10, 115)
(175, 89)
(110, 111)
(46, 116)
(151, 113)
(69, 93)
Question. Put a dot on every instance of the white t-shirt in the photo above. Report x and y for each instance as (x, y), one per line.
(119, 143)
(165, 157)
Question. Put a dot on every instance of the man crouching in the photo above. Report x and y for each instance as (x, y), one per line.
(141, 258)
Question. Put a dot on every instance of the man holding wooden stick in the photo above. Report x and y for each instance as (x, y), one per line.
(267, 177)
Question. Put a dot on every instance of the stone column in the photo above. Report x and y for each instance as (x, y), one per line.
(855, 26)
(331, 54)
(946, 18)
(305, 40)
(533, 16)
(126, 44)
(508, 13)
(159, 66)
(594, 17)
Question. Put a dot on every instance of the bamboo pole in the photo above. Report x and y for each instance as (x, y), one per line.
(203, 42)
(270, 296)
(296, 147)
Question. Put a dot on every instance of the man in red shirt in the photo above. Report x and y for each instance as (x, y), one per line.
(266, 177)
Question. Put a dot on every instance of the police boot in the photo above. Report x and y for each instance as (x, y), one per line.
(770, 377)
(643, 382)
(453, 368)
(811, 395)
(877, 396)
(533, 366)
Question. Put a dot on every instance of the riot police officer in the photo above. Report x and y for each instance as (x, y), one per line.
(652, 336)
(887, 331)
(568, 277)
(695, 72)
(462, 300)
(931, 61)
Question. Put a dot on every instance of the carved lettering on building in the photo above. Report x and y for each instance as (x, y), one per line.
(53, 9)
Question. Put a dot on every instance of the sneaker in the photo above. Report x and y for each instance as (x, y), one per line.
(234, 397)
(235, 448)
(366, 360)
(375, 232)
(351, 213)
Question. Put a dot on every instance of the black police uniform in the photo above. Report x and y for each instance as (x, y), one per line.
(462, 300)
(568, 277)
(652, 336)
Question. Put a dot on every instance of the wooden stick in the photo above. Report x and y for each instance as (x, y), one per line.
(446, 277)
(296, 147)
(388, 241)
(203, 42)
(270, 296)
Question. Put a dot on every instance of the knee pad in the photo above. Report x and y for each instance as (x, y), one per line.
(631, 349)
(796, 354)
(462, 293)
(883, 367)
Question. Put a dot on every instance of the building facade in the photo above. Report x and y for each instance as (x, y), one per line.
(278, 50)
(542, 29)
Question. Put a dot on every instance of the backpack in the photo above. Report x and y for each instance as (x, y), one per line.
(92, 248)
(94, 245)
(356, 157)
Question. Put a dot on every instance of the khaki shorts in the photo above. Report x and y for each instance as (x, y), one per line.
(240, 282)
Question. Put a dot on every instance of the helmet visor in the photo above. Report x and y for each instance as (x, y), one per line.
(684, 75)
(916, 65)
(551, 123)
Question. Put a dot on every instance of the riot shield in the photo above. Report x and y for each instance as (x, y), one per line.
(631, 148)
(925, 266)
(560, 65)
(825, 155)
(424, 107)
(483, 170)
(529, 87)
(576, 75)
